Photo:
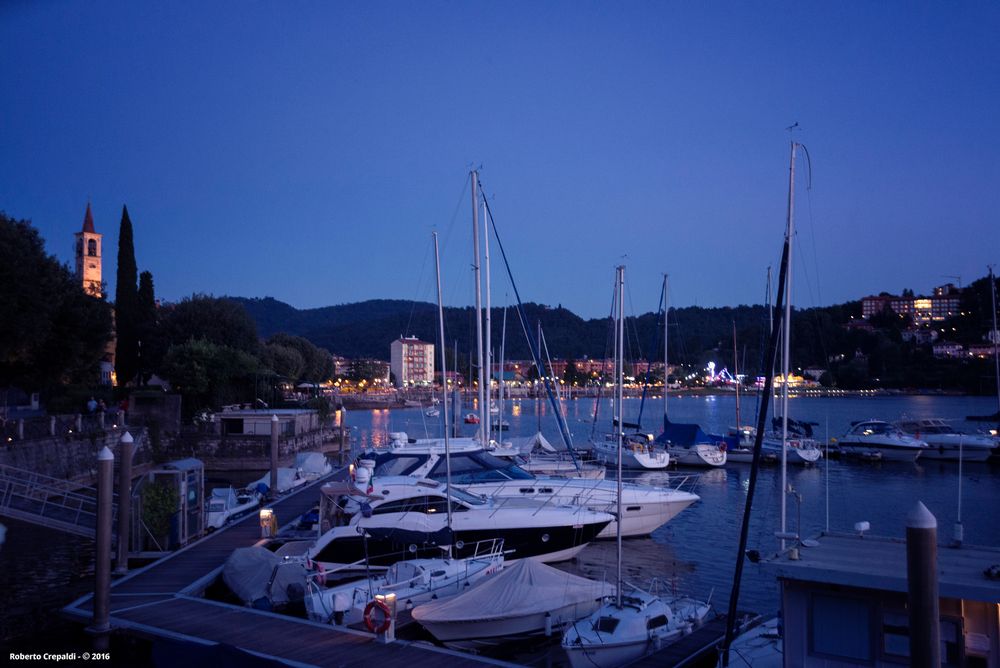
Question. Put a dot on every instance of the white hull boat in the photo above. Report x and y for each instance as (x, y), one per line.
(288, 479)
(945, 443)
(379, 526)
(760, 647)
(882, 437)
(700, 454)
(226, 504)
(312, 465)
(526, 599)
(479, 472)
(615, 636)
(799, 450)
(635, 455)
(413, 582)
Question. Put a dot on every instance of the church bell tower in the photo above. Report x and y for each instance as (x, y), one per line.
(88, 257)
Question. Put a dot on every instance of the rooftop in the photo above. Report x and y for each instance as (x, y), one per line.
(875, 562)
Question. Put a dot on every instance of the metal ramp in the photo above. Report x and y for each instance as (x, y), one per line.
(50, 502)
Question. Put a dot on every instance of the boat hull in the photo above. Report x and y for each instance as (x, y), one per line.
(484, 633)
(701, 455)
(889, 453)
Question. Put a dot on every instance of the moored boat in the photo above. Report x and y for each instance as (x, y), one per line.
(945, 442)
(880, 436)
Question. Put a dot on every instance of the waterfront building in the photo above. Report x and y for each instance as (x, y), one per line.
(844, 602)
(411, 361)
(948, 349)
(941, 305)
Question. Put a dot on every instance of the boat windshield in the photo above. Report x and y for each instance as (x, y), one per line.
(392, 464)
(216, 506)
(473, 467)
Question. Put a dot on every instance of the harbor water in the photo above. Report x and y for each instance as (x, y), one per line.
(42, 570)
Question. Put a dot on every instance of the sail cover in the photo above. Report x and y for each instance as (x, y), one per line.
(525, 588)
(537, 443)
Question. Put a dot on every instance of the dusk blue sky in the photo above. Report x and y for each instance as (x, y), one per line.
(306, 151)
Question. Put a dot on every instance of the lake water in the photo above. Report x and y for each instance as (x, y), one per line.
(42, 570)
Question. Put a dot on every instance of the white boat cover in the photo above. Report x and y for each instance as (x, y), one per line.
(286, 480)
(248, 570)
(314, 463)
(526, 445)
(526, 588)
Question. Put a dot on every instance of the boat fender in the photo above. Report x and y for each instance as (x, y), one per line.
(320, 574)
(369, 614)
(722, 446)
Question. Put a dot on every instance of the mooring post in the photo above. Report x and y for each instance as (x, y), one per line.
(273, 492)
(102, 566)
(52, 426)
(124, 501)
(922, 587)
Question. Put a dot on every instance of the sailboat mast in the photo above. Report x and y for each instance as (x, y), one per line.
(736, 374)
(786, 340)
(619, 381)
(489, 329)
(996, 341)
(444, 378)
(500, 374)
(479, 300)
(666, 338)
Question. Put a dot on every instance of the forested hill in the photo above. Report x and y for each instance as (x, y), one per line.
(366, 329)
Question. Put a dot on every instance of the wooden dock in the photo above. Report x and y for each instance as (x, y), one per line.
(162, 600)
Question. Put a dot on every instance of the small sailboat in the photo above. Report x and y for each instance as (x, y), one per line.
(413, 582)
(633, 625)
(525, 600)
(686, 444)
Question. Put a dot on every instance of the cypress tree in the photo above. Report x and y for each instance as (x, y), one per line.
(126, 305)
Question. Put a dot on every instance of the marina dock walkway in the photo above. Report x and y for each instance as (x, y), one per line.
(162, 600)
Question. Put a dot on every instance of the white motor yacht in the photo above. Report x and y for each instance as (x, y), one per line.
(408, 506)
(476, 470)
(879, 436)
(945, 442)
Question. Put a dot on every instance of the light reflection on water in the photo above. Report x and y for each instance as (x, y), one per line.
(42, 570)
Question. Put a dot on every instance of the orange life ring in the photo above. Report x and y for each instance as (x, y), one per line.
(386, 616)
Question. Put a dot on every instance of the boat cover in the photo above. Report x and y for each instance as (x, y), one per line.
(526, 445)
(286, 477)
(312, 463)
(248, 570)
(525, 588)
(689, 434)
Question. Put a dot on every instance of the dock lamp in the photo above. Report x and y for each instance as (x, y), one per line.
(268, 522)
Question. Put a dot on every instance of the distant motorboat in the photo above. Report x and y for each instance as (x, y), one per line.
(432, 412)
(226, 504)
(881, 437)
(524, 600)
(946, 443)
(471, 418)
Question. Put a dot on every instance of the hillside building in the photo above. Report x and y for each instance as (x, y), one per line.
(411, 362)
(941, 305)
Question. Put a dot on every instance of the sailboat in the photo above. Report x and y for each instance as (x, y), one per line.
(686, 444)
(635, 451)
(634, 624)
(801, 447)
(996, 363)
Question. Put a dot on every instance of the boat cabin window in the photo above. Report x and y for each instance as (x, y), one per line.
(390, 464)
(606, 624)
(840, 627)
(656, 622)
(429, 505)
(478, 467)
(216, 506)
(870, 428)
